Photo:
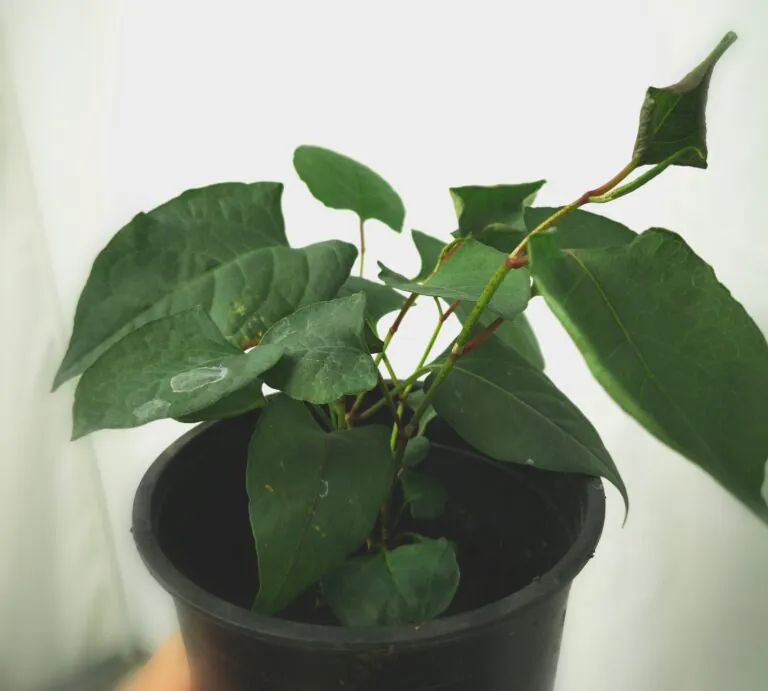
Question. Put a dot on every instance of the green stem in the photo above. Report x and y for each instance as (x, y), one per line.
(641, 180)
(488, 292)
(387, 339)
(394, 392)
(387, 394)
(340, 416)
(362, 246)
(390, 369)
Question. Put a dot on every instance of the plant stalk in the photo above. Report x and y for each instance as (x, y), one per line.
(387, 339)
(362, 246)
(396, 391)
(488, 292)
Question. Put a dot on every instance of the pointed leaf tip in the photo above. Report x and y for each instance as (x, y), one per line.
(673, 118)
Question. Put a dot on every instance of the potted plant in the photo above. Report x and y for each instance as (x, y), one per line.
(364, 528)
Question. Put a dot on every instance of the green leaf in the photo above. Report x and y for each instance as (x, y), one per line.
(424, 495)
(579, 229)
(516, 334)
(314, 497)
(248, 398)
(464, 275)
(342, 183)
(671, 346)
(429, 250)
(673, 118)
(171, 367)
(410, 584)
(379, 299)
(417, 448)
(325, 352)
(506, 408)
(220, 247)
(501, 206)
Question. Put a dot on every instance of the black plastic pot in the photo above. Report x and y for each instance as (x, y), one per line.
(522, 534)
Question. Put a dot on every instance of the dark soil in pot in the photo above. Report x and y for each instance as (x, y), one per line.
(522, 536)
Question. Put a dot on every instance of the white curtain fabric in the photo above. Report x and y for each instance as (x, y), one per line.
(61, 602)
(126, 104)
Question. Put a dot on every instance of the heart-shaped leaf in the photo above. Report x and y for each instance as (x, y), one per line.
(410, 584)
(325, 352)
(579, 229)
(314, 497)
(222, 248)
(671, 346)
(516, 334)
(171, 367)
(501, 206)
(673, 118)
(463, 276)
(423, 494)
(342, 183)
(508, 409)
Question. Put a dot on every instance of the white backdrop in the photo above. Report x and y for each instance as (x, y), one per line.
(126, 104)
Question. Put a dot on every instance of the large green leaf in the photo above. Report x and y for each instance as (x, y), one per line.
(379, 299)
(501, 206)
(171, 367)
(508, 409)
(673, 118)
(325, 352)
(410, 584)
(671, 346)
(220, 247)
(313, 497)
(342, 183)
(577, 230)
(516, 334)
(463, 276)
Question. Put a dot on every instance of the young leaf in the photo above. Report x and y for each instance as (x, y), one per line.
(314, 497)
(416, 449)
(410, 584)
(424, 495)
(170, 367)
(671, 346)
(504, 407)
(237, 403)
(429, 250)
(464, 275)
(673, 118)
(342, 183)
(325, 352)
(579, 229)
(501, 206)
(516, 334)
(220, 247)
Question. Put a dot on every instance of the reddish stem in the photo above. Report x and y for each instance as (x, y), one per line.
(517, 262)
(482, 336)
(451, 309)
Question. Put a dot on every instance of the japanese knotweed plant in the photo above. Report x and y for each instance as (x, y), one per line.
(192, 306)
